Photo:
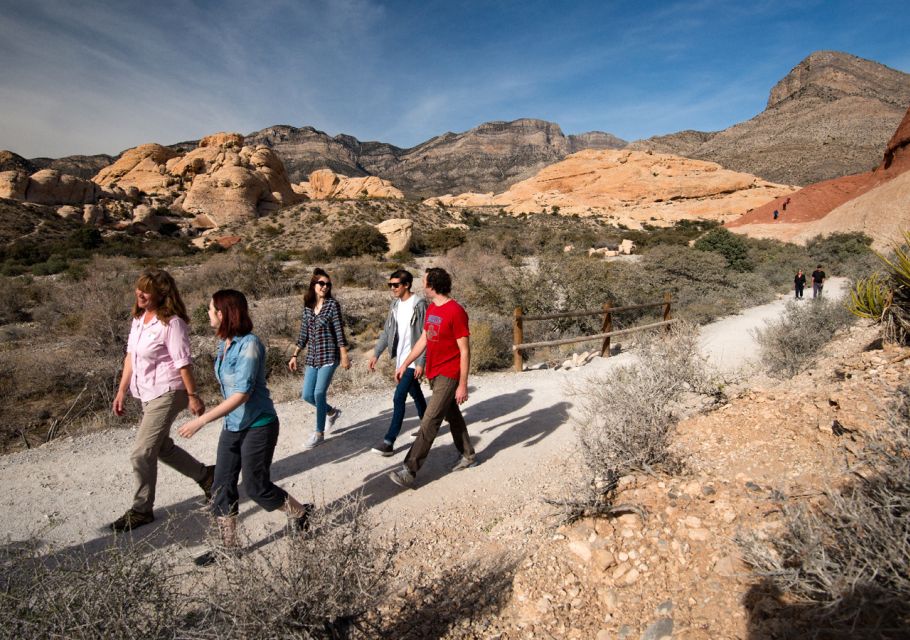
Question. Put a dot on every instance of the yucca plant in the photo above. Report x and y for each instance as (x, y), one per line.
(887, 302)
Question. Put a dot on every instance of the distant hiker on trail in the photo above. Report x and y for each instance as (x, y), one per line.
(446, 338)
(799, 282)
(250, 433)
(402, 330)
(786, 202)
(158, 370)
(322, 333)
(775, 214)
(818, 281)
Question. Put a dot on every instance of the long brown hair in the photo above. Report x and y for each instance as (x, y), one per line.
(161, 286)
(235, 313)
(309, 298)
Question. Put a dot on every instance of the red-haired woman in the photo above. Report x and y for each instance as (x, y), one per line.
(250, 432)
(158, 370)
(322, 331)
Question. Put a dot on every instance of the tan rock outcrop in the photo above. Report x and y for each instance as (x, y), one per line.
(93, 215)
(398, 233)
(325, 183)
(52, 187)
(142, 167)
(13, 184)
(633, 188)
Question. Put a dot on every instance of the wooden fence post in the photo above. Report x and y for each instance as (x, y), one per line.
(517, 339)
(667, 299)
(607, 328)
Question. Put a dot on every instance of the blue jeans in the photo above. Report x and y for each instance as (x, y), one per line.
(407, 385)
(316, 383)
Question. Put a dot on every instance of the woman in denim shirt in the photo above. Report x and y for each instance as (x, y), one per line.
(322, 331)
(250, 431)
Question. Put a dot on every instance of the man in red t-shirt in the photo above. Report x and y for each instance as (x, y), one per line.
(446, 339)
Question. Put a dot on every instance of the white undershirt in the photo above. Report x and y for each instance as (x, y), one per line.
(403, 317)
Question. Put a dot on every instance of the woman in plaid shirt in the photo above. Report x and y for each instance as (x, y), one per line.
(322, 329)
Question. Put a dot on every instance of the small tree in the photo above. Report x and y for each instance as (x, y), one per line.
(732, 247)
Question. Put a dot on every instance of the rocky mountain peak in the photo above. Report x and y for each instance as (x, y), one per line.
(831, 75)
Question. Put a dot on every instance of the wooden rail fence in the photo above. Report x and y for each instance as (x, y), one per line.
(606, 333)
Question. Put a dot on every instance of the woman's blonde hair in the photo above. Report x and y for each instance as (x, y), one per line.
(161, 285)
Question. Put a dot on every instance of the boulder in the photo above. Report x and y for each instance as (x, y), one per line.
(13, 184)
(229, 194)
(398, 232)
(93, 214)
(325, 184)
(52, 187)
(143, 167)
(69, 212)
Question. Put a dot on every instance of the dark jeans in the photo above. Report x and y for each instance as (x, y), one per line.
(407, 385)
(249, 451)
(817, 290)
(799, 291)
(442, 406)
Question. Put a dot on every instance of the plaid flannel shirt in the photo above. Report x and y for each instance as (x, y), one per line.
(324, 333)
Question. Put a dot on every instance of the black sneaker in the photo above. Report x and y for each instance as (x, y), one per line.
(384, 449)
(131, 520)
(206, 483)
(301, 524)
(212, 556)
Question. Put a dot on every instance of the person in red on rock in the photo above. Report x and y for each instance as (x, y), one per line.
(446, 338)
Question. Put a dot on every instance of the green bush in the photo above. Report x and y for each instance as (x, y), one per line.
(438, 241)
(358, 240)
(732, 247)
(848, 254)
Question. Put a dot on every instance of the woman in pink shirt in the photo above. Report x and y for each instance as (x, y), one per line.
(158, 370)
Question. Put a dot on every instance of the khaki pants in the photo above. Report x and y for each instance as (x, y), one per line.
(442, 406)
(154, 442)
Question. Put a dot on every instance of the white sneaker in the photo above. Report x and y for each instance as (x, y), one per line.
(314, 440)
(333, 418)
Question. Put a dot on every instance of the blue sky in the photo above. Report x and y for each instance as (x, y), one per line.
(100, 76)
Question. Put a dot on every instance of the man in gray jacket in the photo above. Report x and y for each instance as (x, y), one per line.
(403, 327)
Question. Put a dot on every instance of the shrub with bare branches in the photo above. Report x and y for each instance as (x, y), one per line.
(845, 560)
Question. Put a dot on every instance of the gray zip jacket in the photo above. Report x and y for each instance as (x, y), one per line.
(388, 339)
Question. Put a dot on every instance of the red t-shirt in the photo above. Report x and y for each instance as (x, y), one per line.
(444, 325)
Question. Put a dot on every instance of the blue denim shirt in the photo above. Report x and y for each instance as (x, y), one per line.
(243, 371)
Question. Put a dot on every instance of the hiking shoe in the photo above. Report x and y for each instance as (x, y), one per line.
(402, 477)
(212, 556)
(464, 463)
(131, 520)
(314, 440)
(333, 417)
(301, 524)
(384, 449)
(414, 433)
(206, 483)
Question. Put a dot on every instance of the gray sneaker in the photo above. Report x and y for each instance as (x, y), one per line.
(314, 440)
(333, 417)
(402, 477)
(464, 463)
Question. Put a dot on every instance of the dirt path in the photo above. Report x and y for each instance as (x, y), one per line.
(64, 493)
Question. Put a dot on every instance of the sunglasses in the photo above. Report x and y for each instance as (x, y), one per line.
(323, 283)
(395, 285)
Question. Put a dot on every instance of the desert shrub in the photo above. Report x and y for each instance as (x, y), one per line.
(438, 241)
(628, 415)
(257, 276)
(118, 593)
(680, 234)
(18, 296)
(358, 240)
(313, 586)
(362, 272)
(491, 342)
(848, 254)
(732, 247)
(845, 559)
(791, 343)
(887, 300)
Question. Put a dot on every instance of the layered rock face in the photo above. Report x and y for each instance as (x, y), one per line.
(325, 184)
(631, 187)
(829, 117)
(489, 157)
(876, 203)
(79, 166)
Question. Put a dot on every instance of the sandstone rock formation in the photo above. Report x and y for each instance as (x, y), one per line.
(141, 167)
(632, 187)
(875, 202)
(80, 166)
(829, 117)
(13, 184)
(398, 232)
(489, 157)
(52, 187)
(325, 184)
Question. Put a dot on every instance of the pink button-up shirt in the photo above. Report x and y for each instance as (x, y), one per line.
(158, 351)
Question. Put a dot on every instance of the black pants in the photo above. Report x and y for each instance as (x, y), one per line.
(249, 451)
(799, 291)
